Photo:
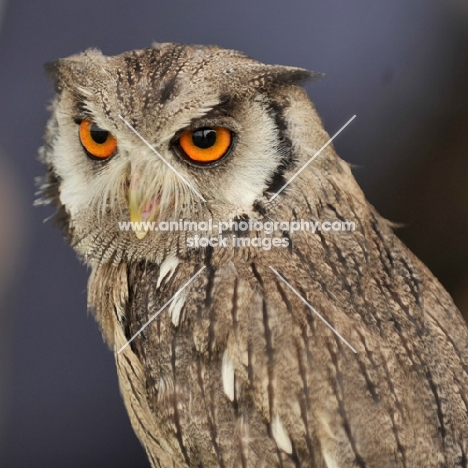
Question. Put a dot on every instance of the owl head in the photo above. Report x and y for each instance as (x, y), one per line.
(169, 132)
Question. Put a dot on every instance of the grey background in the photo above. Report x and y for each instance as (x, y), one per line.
(401, 66)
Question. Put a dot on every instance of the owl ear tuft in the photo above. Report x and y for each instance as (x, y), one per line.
(52, 70)
(73, 70)
(63, 72)
(270, 75)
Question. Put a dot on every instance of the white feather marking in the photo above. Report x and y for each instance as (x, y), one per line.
(176, 307)
(167, 269)
(227, 373)
(329, 461)
(280, 435)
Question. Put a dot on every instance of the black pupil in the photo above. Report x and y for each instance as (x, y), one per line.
(204, 138)
(98, 134)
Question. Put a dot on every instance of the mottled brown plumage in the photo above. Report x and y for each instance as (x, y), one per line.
(237, 371)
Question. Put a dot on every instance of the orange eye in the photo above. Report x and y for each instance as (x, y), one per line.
(99, 143)
(206, 144)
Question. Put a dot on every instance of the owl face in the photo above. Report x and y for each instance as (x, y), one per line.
(165, 133)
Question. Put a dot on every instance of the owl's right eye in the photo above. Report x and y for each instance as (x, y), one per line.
(98, 143)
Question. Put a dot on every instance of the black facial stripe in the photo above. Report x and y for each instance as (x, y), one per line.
(277, 181)
(276, 110)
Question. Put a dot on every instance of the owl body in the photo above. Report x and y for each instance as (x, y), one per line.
(223, 354)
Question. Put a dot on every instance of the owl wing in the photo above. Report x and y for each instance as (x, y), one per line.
(339, 355)
(398, 398)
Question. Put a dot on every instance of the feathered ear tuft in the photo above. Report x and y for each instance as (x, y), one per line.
(64, 72)
(52, 70)
(68, 72)
(270, 75)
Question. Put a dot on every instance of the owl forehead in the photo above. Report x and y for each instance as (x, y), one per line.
(161, 89)
(158, 86)
(157, 77)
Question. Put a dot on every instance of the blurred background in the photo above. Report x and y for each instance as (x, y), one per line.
(401, 66)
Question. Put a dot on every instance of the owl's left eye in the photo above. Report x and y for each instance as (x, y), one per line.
(206, 144)
(98, 143)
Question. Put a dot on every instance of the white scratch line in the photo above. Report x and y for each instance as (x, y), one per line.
(161, 309)
(162, 159)
(312, 309)
(312, 158)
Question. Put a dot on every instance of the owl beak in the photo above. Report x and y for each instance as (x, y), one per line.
(142, 212)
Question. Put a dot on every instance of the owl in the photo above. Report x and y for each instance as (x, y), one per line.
(237, 346)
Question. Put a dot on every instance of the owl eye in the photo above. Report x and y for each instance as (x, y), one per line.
(205, 145)
(98, 143)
